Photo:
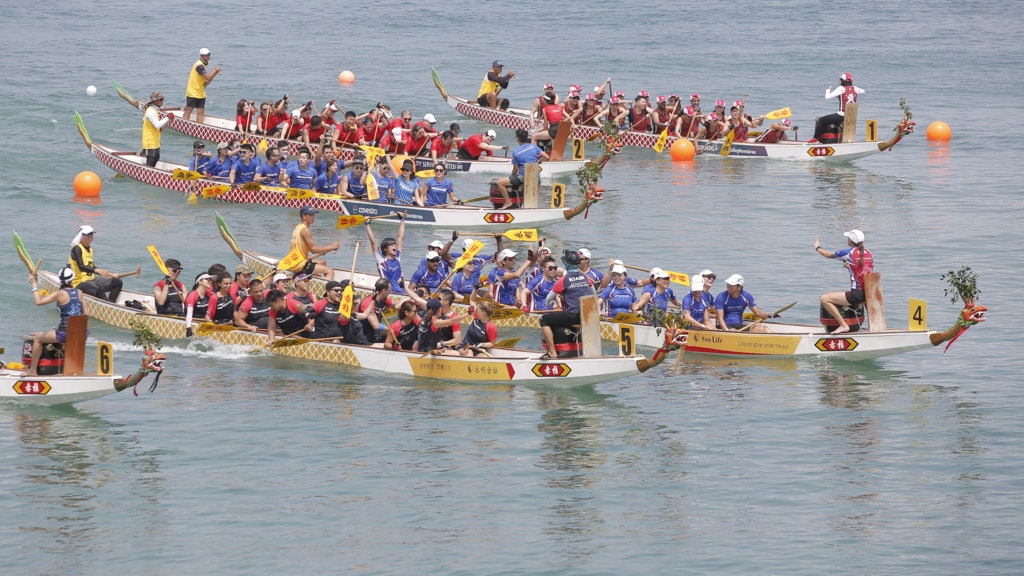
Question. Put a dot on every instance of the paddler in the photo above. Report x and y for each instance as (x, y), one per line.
(492, 85)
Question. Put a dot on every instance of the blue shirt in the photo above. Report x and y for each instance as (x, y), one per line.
(659, 300)
(505, 289)
(732, 308)
(539, 288)
(618, 299)
(299, 178)
(392, 270)
(355, 187)
(199, 163)
(697, 306)
(271, 173)
(405, 190)
(437, 192)
(384, 183)
(423, 277)
(326, 185)
(245, 173)
(219, 169)
(524, 155)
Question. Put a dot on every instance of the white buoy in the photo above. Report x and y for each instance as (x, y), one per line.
(91, 90)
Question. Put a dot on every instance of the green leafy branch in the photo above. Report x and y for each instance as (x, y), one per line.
(144, 335)
(963, 285)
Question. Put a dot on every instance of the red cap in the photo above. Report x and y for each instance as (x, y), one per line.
(661, 99)
(694, 96)
(720, 103)
(549, 86)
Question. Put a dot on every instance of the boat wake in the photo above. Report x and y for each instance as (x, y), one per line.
(199, 348)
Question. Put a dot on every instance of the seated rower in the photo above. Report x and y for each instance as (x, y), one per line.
(353, 184)
(287, 317)
(372, 310)
(329, 321)
(403, 332)
(221, 306)
(619, 297)
(730, 304)
(481, 333)
(697, 305)
(658, 295)
(570, 288)
(253, 312)
(478, 144)
(300, 174)
(169, 293)
(440, 328)
(439, 190)
(776, 132)
(539, 286)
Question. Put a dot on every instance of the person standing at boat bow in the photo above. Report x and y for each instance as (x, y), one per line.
(858, 260)
(152, 123)
(198, 78)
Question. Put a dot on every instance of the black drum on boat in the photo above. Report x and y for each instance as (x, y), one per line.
(854, 316)
(833, 134)
(568, 343)
(515, 195)
(50, 362)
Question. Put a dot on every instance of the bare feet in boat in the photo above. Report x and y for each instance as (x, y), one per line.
(506, 206)
(841, 329)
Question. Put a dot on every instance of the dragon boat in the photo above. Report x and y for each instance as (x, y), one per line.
(191, 184)
(218, 129)
(643, 334)
(516, 118)
(74, 384)
(499, 365)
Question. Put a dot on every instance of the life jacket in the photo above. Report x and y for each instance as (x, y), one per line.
(849, 95)
(196, 83)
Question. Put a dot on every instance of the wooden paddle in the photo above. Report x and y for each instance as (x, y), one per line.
(299, 340)
(183, 174)
(772, 315)
(475, 247)
(252, 186)
(520, 234)
(679, 359)
(289, 336)
(136, 272)
(350, 220)
(506, 343)
(163, 268)
(506, 313)
(677, 277)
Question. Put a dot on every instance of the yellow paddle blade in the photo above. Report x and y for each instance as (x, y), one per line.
(290, 341)
(727, 145)
(182, 174)
(425, 173)
(193, 199)
(206, 328)
(216, 190)
(251, 187)
(372, 192)
(507, 343)
(292, 261)
(659, 146)
(345, 306)
(522, 234)
(348, 221)
(156, 258)
(262, 147)
(628, 318)
(778, 114)
(298, 193)
(469, 254)
(678, 277)
(506, 313)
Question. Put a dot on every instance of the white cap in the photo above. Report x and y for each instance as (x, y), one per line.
(429, 118)
(296, 113)
(696, 283)
(658, 273)
(466, 243)
(544, 250)
(280, 276)
(734, 280)
(618, 269)
(492, 134)
(706, 272)
(204, 277)
(431, 255)
(204, 51)
(436, 244)
(86, 230)
(856, 235)
(506, 253)
(584, 253)
(66, 274)
(396, 132)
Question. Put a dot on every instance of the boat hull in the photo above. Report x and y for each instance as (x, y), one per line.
(807, 341)
(453, 217)
(54, 390)
(507, 365)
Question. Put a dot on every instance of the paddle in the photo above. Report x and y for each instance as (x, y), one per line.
(183, 174)
(506, 313)
(677, 277)
(136, 272)
(163, 268)
(426, 173)
(350, 220)
(727, 145)
(506, 343)
(215, 190)
(659, 146)
(299, 340)
(772, 315)
(292, 260)
(23, 254)
(520, 234)
(252, 186)
(778, 114)
(475, 247)
(207, 328)
(345, 307)
(679, 359)
(297, 193)
(287, 337)
(628, 318)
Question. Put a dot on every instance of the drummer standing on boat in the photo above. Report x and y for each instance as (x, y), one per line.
(152, 123)
(195, 91)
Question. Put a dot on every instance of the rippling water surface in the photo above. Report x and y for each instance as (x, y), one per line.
(252, 464)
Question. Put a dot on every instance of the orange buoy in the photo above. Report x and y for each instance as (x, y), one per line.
(88, 184)
(346, 77)
(938, 131)
(682, 149)
(397, 161)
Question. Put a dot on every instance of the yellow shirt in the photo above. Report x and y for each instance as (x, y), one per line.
(81, 275)
(488, 86)
(150, 133)
(299, 245)
(196, 83)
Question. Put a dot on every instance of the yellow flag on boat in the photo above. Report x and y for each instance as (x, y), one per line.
(293, 261)
(659, 146)
(778, 114)
(345, 306)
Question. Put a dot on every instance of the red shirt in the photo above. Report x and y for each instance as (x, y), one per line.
(472, 146)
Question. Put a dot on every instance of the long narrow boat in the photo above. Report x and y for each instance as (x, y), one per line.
(797, 340)
(217, 129)
(643, 335)
(502, 365)
(516, 118)
(17, 387)
(452, 217)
